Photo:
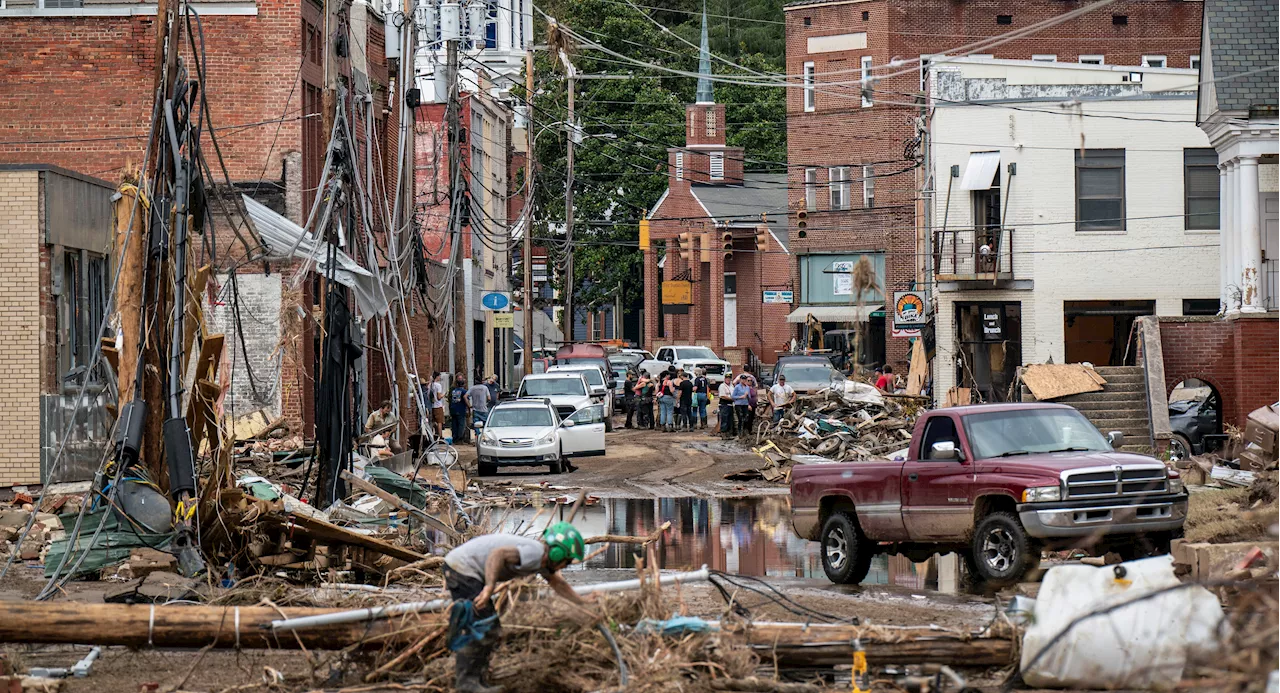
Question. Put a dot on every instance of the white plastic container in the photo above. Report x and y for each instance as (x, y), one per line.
(1141, 645)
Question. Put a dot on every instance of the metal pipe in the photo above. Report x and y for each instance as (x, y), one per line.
(377, 612)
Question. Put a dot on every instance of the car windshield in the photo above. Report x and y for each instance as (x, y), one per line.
(627, 359)
(810, 373)
(1026, 431)
(696, 353)
(593, 376)
(510, 417)
(547, 387)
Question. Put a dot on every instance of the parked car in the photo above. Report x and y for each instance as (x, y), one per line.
(530, 432)
(598, 385)
(996, 484)
(807, 373)
(568, 392)
(688, 358)
(632, 360)
(1194, 422)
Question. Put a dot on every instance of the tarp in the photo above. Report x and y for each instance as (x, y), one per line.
(114, 544)
(981, 171)
(280, 235)
(833, 313)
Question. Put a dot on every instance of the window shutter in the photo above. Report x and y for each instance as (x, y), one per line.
(717, 165)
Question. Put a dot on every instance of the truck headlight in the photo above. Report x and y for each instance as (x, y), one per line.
(1174, 483)
(1040, 494)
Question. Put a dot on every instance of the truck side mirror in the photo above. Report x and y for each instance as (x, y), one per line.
(944, 450)
(1116, 439)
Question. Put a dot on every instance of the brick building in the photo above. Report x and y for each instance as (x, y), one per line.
(723, 230)
(854, 156)
(76, 91)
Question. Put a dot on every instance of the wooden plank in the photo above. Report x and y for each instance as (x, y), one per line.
(110, 353)
(331, 533)
(1048, 381)
(196, 285)
(400, 503)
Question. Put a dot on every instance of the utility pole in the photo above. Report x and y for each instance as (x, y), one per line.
(528, 223)
(572, 130)
(450, 29)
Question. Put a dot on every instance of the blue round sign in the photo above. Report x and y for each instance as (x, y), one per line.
(496, 300)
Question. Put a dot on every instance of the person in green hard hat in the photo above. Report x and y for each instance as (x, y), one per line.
(474, 570)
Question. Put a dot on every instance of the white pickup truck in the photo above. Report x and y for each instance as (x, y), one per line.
(687, 358)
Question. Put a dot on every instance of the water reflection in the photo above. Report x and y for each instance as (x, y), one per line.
(744, 536)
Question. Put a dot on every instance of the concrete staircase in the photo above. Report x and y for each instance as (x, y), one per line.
(1120, 406)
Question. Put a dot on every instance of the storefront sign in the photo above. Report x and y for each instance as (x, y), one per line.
(777, 297)
(909, 308)
(504, 321)
(992, 323)
(677, 292)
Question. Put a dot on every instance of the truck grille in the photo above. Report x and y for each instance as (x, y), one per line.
(1099, 482)
(713, 369)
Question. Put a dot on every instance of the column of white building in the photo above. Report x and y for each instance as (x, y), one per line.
(1240, 238)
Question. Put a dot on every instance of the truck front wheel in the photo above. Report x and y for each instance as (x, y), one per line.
(846, 554)
(1002, 552)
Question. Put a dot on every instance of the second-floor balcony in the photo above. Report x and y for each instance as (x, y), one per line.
(983, 254)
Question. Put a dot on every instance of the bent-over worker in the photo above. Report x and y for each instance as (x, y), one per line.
(473, 571)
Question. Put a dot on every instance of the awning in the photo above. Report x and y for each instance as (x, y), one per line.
(833, 313)
(981, 171)
(280, 234)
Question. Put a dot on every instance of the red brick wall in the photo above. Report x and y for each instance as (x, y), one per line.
(1238, 357)
(842, 132)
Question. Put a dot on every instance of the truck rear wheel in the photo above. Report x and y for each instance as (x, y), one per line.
(846, 553)
(1002, 552)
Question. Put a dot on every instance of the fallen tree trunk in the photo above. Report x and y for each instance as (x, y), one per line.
(141, 625)
(829, 645)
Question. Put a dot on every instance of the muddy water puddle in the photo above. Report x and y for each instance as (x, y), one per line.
(743, 536)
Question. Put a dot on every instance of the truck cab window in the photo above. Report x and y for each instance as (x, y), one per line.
(940, 429)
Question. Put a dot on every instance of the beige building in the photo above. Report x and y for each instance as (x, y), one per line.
(55, 277)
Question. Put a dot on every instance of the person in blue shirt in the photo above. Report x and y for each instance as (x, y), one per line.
(741, 410)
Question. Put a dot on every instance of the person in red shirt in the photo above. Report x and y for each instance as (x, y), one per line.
(885, 381)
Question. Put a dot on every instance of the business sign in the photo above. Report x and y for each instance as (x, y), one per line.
(677, 292)
(496, 300)
(504, 321)
(909, 309)
(906, 332)
(778, 297)
(992, 324)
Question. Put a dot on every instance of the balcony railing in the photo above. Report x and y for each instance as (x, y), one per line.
(973, 254)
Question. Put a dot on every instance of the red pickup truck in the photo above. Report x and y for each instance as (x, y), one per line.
(996, 484)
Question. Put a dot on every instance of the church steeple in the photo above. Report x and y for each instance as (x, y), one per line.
(705, 94)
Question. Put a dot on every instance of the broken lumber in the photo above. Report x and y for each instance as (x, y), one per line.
(182, 625)
(827, 645)
(326, 532)
(400, 503)
(628, 539)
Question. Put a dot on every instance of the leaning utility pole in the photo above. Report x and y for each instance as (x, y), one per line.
(572, 130)
(528, 222)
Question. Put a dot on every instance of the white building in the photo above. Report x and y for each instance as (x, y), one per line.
(494, 36)
(1061, 213)
(1237, 109)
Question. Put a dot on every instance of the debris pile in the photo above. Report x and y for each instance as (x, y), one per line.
(846, 424)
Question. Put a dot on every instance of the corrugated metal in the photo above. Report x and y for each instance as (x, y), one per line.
(981, 171)
(280, 235)
(77, 213)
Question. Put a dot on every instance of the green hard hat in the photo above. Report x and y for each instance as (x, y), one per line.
(564, 542)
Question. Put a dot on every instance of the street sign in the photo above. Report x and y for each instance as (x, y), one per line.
(504, 321)
(496, 300)
(677, 292)
(777, 297)
(909, 309)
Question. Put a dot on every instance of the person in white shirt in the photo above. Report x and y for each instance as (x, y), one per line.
(781, 396)
(437, 402)
(725, 412)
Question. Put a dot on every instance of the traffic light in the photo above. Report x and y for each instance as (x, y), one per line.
(726, 243)
(802, 223)
(685, 241)
(762, 238)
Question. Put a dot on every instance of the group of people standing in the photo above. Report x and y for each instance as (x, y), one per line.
(683, 400)
(467, 405)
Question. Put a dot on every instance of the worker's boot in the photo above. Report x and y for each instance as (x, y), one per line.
(471, 665)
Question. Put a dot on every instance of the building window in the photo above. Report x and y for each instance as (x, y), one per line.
(679, 165)
(866, 16)
(1100, 190)
(809, 102)
(808, 21)
(1093, 60)
(711, 122)
(838, 177)
(1120, 19)
(1153, 61)
(692, 120)
(1004, 19)
(1045, 58)
(1195, 62)
(717, 165)
(866, 81)
(868, 186)
(61, 4)
(1200, 306)
(811, 189)
(1200, 183)
(731, 284)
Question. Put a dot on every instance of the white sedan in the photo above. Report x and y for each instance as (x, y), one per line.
(529, 432)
